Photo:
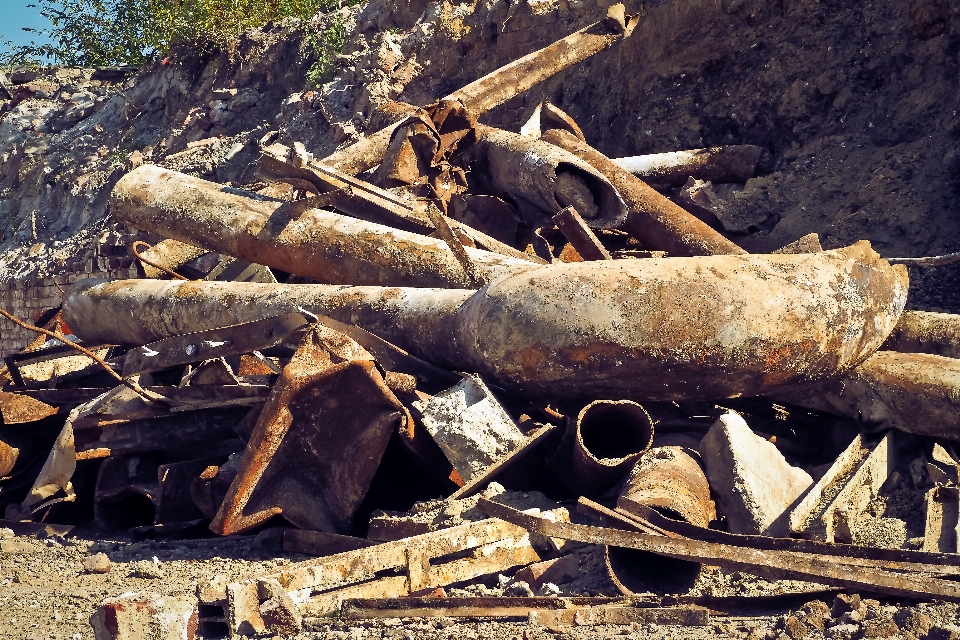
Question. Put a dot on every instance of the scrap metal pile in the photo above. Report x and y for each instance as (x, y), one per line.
(460, 305)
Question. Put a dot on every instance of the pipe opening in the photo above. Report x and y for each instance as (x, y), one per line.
(611, 431)
(635, 572)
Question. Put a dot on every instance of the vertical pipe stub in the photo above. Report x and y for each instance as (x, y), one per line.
(610, 437)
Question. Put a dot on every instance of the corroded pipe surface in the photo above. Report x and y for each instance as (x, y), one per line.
(654, 329)
(547, 176)
(656, 221)
(501, 85)
(318, 244)
(732, 163)
(914, 392)
(926, 332)
(610, 436)
(671, 481)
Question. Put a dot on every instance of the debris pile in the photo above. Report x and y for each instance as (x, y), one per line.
(449, 354)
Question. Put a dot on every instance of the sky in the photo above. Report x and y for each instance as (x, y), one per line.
(15, 14)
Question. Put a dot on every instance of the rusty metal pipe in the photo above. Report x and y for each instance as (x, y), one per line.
(654, 329)
(926, 332)
(913, 392)
(318, 244)
(548, 177)
(653, 219)
(608, 438)
(731, 163)
(501, 85)
(671, 481)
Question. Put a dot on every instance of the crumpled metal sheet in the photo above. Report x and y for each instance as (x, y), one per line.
(318, 442)
(16, 408)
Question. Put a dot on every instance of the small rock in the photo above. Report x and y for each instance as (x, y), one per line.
(845, 602)
(946, 632)
(97, 563)
(519, 588)
(815, 613)
(794, 628)
(148, 570)
(6, 533)
(78, 112)
(851, 617)
(246, 99)
(914, 621)
(753, 484)
(280, 614)
(842, 630)
(880, 628)
(16, 547)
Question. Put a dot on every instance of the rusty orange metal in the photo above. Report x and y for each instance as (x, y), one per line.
(318, 441)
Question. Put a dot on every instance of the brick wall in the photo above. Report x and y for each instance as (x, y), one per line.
(109, 258)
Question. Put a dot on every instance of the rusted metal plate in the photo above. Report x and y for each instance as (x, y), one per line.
(774, 565)
(330, 602)
(318, 441)
(476, 607)
(205, 345)
(654, 329)
(20, 409)
(913, 392)
(653, 219)
(503, 84)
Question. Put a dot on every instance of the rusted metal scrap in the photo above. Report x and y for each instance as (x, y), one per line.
(913, 392)
(227, 341)
(318, 441)
(321, 584)
(654, 329)
(365, 201)
(602, 444)
(503, 84)
(546, 176)
(318, 244)
(774, 565)
(669, 480)
(575, 229)
(652, 218)
(731, 163)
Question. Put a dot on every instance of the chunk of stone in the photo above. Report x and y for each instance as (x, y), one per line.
(97, 563)
(279, 612)
(470, 425)
(558, 571)
(753, 484)
(146, 616)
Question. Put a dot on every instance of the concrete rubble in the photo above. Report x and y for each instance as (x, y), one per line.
(453, 371)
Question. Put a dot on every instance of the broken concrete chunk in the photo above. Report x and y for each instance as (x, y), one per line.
(844, 491)
(557, 571)
(753, 484)
(470, 425)
(141, 616)
(943, 520)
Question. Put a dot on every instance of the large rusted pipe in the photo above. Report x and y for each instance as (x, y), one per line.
(926, 332)
(501, 85)
(656, 221)
(654, 329)
(671, 481)
(326, 246)
(731, 163)
(607, 439)
(548, 177)
(914, 392)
